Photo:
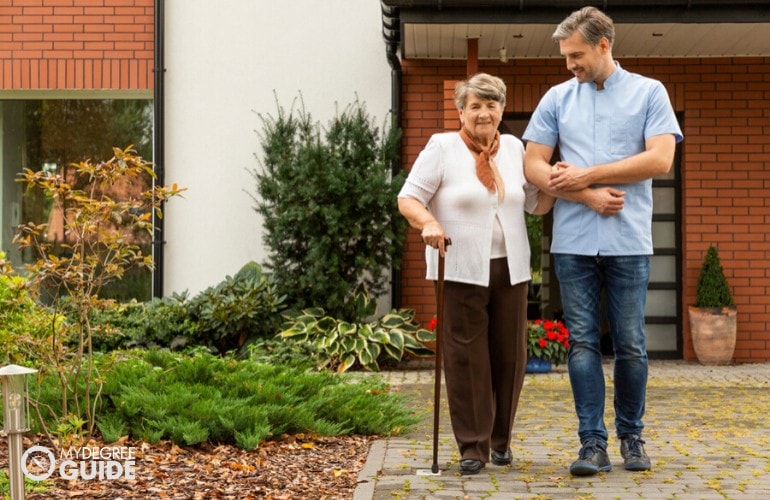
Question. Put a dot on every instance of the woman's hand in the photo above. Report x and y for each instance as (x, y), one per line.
(420, 218)
(433, 235)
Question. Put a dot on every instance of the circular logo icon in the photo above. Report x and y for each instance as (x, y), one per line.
(38, 463)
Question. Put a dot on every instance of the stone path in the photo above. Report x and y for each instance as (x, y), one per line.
(707, 433)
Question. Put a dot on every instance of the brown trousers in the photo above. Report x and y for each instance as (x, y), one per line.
(485, 353)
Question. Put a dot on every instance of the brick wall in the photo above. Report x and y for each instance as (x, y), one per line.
(76, 44)
(725, 109)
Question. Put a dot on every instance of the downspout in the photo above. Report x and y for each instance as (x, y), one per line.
(159, 150)
(391, 32)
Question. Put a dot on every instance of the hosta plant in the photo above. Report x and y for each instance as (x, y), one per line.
(341, 345)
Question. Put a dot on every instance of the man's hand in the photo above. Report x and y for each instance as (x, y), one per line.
(606, 201)
(566, 177)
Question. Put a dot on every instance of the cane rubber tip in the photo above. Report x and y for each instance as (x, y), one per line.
(434, 468)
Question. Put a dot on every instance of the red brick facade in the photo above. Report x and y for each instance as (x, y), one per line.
(76, 44)
(725, 108)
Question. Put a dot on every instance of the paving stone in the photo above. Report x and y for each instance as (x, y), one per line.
(706, 432)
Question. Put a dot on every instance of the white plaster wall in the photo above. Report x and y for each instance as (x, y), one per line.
(224, 60)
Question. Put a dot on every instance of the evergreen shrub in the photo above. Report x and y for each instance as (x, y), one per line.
(197, 397)
(712, 289)
(328, 200)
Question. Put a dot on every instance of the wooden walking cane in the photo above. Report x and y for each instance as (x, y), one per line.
(434, 470)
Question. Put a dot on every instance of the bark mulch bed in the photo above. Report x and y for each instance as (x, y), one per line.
(297, 466)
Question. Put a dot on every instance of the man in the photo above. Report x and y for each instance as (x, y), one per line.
(615, 131)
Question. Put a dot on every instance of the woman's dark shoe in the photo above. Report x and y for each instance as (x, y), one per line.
(502, 458)
(470, 466)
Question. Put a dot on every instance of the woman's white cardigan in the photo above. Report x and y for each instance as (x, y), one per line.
(443, 178)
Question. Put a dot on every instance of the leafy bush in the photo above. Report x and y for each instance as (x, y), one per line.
(160, 322)
(240, 308)
(227, 316)
(199, 397)
(329, 205)
(25, 326)
(341, 344)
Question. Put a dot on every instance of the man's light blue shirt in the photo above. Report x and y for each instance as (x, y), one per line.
(594, 127)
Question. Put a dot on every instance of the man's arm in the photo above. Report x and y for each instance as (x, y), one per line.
(655, 160)
(537, 168)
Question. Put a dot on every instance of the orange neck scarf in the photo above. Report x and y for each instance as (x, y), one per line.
(486, 169)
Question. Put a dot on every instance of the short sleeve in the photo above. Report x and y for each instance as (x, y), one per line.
(543, 125)
(661, 118)
(425, 177)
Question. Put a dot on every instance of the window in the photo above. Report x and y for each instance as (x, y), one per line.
(51, 134)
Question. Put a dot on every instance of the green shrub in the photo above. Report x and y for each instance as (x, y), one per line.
(201, 397)
(224, 317)
(240, 308)
(712, 289)
(160, 322)
(329, 205)
(112, 428)
(25, 326)
(340, 345)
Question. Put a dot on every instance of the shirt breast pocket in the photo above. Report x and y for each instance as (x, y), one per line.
(626, 135)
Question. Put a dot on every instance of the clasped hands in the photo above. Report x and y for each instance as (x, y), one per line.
(605, 200)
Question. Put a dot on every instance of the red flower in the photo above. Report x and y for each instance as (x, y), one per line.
(432, 324)
(548, 340)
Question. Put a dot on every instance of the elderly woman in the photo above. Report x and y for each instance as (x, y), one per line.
(469, 187)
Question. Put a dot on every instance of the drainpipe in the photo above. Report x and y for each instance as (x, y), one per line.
(158, 153)
(391, 32)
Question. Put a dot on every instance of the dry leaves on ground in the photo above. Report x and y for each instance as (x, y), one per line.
(291, 467)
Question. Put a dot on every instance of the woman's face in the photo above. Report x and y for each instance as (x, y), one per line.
(481, 117)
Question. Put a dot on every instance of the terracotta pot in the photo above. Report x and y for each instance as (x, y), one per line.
(713, 332)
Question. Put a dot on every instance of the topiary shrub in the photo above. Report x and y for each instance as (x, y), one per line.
(712, 289)
(329, 204)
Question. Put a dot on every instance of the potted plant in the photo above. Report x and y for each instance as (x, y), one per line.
(713, 318)
(547, 343)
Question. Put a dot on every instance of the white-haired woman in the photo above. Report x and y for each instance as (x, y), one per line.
(469, 186)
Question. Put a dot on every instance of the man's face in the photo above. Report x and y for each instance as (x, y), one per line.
(588, 63)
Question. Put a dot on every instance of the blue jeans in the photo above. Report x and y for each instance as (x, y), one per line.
(624, 281)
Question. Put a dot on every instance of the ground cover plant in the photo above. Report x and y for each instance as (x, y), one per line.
(198, 397)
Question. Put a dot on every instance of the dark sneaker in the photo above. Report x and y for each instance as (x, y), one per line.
(632, 451)
(592, 459)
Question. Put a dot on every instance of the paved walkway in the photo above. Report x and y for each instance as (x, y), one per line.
(707, 433)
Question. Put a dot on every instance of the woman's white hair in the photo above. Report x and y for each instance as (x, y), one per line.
(483, 86)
